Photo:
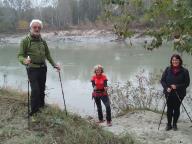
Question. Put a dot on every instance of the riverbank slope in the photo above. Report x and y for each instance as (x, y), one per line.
(52, 126)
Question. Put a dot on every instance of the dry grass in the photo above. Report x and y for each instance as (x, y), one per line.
(51, 126)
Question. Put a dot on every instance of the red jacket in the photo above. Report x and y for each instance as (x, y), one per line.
(99, 81)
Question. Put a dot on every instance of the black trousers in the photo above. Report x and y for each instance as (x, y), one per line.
(106, 102)
(37, 78)
(173, 108)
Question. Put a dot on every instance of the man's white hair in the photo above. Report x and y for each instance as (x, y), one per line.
(36, 21)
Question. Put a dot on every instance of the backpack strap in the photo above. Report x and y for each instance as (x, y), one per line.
(28, 44)
(44, 42)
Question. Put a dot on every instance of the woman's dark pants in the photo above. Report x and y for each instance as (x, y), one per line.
(173, 108)
(106, 102)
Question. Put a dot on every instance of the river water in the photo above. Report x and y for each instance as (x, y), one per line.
(120, 61)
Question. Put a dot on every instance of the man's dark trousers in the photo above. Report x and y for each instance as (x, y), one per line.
(37, 78)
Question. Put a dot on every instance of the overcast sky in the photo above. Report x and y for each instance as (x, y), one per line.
(38, 2)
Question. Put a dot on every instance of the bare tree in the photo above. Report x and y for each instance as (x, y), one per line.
(19, 5)
(64, 13)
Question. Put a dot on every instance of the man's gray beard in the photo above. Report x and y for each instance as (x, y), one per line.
(34, 33)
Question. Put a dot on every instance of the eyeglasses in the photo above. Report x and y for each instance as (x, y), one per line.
(36, 27)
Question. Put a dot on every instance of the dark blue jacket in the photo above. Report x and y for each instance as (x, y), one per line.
(181, 80)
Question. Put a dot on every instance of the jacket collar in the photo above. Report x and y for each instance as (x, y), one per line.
(34, 38)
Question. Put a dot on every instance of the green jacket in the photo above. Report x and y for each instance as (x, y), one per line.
(36, 49)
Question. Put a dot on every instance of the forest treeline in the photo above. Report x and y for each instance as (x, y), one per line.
(15, 15)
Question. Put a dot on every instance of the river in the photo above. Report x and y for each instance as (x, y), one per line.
(77, 58)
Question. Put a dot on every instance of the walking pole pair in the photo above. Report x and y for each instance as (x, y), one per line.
(162, 113)
(62, 92)
(183, 106)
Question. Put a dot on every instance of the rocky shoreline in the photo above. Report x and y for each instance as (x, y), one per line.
(68, 36)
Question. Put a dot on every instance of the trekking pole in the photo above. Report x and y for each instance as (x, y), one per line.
(183, 106)
(62, 92)
(28, 99)
(162, 113)
(28, 105)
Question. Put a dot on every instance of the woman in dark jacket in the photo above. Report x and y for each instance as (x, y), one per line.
(175, 80)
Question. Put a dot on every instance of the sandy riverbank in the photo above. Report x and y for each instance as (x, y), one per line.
(144, 126)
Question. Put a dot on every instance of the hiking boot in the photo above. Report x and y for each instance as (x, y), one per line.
(100, 121)
(109, 124)
(175, 127)
(168, 127)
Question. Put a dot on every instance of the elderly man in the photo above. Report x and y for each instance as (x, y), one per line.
(32, 53)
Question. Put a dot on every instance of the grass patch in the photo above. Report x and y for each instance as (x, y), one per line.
(52, 126)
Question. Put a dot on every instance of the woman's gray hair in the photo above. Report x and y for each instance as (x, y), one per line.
(36, 21)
